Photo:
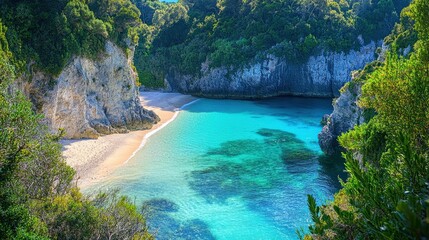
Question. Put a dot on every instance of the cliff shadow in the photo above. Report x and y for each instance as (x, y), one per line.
(333, 169)
(297, 106)
(164, 101)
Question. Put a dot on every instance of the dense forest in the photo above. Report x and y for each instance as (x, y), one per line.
(49, 33)
(231, 33)
(387, 193)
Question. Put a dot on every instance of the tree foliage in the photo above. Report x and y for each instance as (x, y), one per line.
(49, 33)
(233, 32)
(37, 197)
(386, 195)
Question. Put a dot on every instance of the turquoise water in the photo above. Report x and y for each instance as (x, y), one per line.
(228, 169)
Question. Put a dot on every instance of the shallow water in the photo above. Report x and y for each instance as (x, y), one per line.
(228, 169)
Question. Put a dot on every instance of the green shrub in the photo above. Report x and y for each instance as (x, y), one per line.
(386, 195)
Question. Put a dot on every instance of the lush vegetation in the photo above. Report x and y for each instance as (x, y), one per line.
(231, 33)
(387, 193)
(184, 35)
(38, 199)
(49, 33)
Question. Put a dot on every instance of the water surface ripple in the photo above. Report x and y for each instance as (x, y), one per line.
(229, 169)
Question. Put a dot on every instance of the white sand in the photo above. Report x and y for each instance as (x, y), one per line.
(95, 159)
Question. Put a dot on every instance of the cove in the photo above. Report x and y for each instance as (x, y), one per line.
(230, 169)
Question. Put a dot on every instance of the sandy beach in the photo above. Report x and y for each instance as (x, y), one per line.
(94, 159)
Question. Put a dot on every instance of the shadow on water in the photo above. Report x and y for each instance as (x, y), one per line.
(235, 148)
(302, 106)
(332, 168)
(295, 102)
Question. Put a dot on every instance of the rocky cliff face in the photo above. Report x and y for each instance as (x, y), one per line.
(345, 116)
(91, 97)
(320, 76)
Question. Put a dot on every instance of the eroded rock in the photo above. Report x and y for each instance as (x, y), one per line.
(345, 116)
(322, 76)
(90, 98)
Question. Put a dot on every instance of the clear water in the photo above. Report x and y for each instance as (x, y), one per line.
(228, 169)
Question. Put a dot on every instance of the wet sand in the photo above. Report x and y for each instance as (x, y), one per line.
(95, 159)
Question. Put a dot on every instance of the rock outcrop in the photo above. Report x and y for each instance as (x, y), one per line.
(91, 97)
(345, 116)
(320, 76)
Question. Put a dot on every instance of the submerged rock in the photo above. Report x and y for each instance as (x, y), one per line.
(292, 148)
(235, 148)
(194, 229)
(240, 166)
(322, 75)
(160, 205)
(164, 225)
(277, 135)
(325, 119)
(90, 98)
(297, 153)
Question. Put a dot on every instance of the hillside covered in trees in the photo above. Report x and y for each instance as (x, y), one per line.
(231, 33)
(49, 33)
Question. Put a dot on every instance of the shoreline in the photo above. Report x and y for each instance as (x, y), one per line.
(156, 128)
(95, 159)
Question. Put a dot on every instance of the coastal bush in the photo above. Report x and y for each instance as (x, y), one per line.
(386, 195)
(37, 197)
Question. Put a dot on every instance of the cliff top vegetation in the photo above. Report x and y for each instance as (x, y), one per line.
(230, 33)
(49, 33)
(386, 195)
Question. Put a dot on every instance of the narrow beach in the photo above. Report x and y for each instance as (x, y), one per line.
(95, 159)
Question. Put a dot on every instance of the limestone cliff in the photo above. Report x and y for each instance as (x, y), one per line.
(322, 76)
(90, 98)
(345, 116)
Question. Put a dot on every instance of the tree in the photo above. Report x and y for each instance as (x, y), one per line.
(22, 139)
(229, 7)
(420, 14)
